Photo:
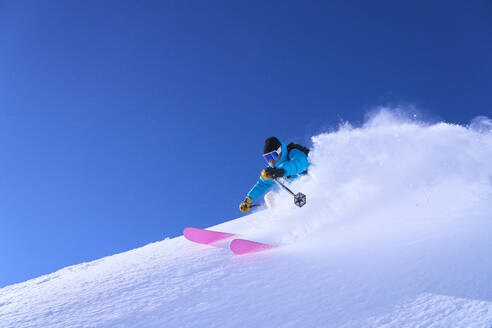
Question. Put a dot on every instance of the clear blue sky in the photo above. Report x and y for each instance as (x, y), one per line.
(122, 122)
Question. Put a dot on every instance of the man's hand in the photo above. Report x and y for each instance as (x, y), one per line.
(246, 205)
(271, 173)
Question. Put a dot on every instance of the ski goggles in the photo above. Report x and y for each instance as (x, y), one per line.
(273, 155)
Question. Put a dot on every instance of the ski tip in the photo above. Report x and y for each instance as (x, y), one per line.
(203, 236)
(243, 246)
(189, 231)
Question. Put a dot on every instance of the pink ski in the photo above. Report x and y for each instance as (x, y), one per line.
(243, 246)
(203, 236)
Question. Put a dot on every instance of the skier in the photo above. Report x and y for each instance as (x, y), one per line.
(287, 161)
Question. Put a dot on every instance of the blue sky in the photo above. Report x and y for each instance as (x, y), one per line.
(121, 123)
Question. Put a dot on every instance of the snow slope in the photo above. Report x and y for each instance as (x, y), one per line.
(396, 233)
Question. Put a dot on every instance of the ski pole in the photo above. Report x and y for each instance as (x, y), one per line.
(284, 186)
(299, 198)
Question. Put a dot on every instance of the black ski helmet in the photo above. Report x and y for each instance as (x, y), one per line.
(271, 144)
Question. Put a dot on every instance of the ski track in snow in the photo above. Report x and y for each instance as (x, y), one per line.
(396, 233)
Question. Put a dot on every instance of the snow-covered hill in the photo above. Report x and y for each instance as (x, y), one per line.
(397, 232)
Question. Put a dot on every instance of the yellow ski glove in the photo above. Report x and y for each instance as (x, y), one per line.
(246, 205)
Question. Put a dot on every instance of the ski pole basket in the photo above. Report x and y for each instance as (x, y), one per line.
(300, 199)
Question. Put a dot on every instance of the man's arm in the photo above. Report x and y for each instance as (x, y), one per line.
(260, 188)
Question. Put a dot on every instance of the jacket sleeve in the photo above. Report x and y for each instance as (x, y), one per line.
(298, 163)
(259, 188)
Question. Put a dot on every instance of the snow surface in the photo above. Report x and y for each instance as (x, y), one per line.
(396, 233)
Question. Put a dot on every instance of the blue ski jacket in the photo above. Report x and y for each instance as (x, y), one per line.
(294, 167)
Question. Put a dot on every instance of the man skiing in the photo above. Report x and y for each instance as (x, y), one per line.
(287, 161)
